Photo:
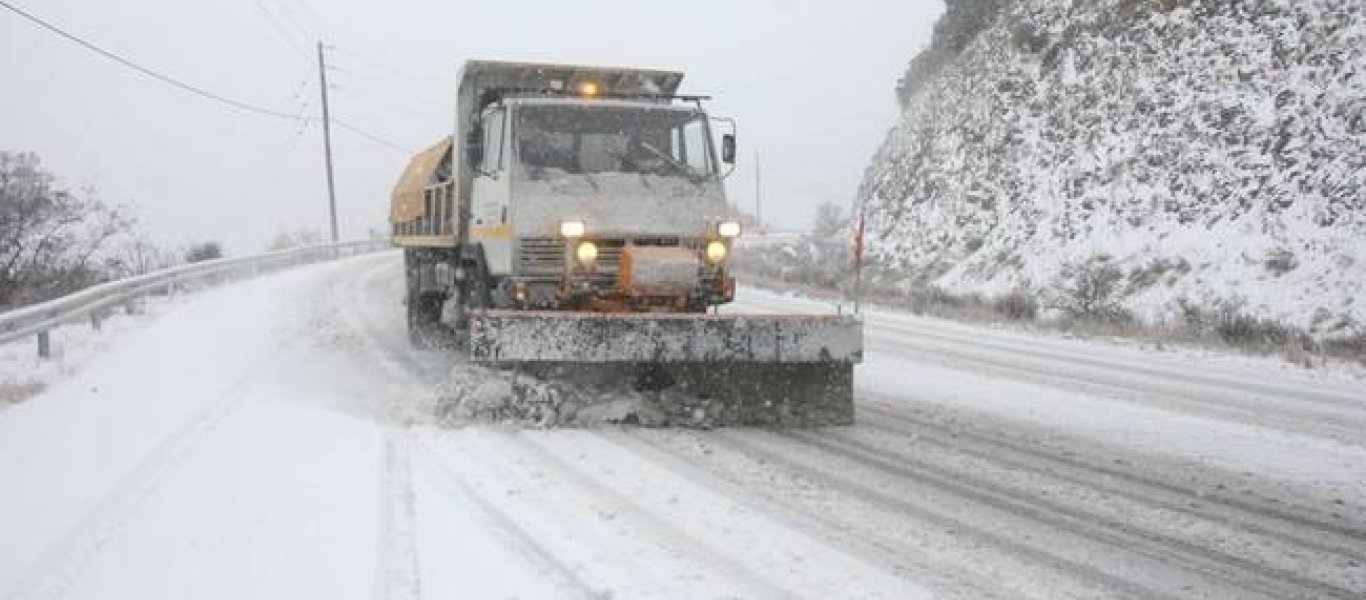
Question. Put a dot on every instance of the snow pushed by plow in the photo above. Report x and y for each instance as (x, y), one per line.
(591, 395)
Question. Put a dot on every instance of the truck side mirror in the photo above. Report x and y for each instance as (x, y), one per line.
(474, 148)
(728, 148)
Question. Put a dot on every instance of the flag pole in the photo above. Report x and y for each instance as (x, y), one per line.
(858, 256)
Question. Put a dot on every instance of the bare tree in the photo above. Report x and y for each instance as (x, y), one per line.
(139, 256)
(829, 221)
(51, 239)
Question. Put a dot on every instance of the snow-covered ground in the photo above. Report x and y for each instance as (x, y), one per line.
(272, 439)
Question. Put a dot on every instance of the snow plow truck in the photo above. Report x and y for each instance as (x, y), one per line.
(576, 220)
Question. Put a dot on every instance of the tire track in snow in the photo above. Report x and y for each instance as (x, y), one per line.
(858, 526)
(1234, 572)
(58, 568)
(1296, 523)
(397, 575)
(941, 513)
(416, 371)
(518, 540)
(607, 540)
(655, 524)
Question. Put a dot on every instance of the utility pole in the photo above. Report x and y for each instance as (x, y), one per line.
(758, 202)
(327, 143)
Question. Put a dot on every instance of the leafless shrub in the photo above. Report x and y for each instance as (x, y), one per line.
(203, 251)
(1350, 347)
(1019, 304)
(1091, 291)
(1149, 274)
(1232, 324)
(139, 256)
(1280, 261)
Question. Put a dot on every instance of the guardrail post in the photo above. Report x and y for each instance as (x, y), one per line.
(44, 345)
(95, 318)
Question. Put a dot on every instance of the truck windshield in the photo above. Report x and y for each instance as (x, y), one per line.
(612, 139)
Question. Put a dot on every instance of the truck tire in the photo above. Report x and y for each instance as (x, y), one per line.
(425, 329)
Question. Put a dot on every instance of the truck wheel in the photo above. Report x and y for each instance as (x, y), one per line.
(425, 329)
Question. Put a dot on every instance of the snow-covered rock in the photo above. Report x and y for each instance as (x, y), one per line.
(1215, 151)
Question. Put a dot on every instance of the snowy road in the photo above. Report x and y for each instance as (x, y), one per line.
(269, 439)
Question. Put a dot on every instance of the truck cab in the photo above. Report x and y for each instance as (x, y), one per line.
(568, 188)
(592, 203)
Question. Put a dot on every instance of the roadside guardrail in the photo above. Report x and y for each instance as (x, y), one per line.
(95, 302)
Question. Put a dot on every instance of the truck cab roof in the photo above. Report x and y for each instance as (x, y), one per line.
(603, 102)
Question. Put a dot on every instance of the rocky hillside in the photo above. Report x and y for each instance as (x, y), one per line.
(1211, 151)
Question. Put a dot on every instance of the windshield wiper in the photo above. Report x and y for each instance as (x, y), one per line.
(686, 170)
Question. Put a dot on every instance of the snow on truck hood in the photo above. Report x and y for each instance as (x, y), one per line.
(616, 203)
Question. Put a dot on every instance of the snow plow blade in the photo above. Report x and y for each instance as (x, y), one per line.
(787, 370)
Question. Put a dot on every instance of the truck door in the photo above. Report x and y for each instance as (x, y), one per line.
(489, 224)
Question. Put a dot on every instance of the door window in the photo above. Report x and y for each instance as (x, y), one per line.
(493, 141)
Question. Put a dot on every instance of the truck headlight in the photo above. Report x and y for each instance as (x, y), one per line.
(572, 229)
(716, 251)
(728, 229)
(586, 252)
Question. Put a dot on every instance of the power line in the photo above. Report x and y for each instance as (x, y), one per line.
(370, 136)
(167, 79)
(314, 15)
(289, 18)
(279, 29)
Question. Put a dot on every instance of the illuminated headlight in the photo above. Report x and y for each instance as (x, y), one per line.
(586, 252)
(728, 229)
(572, 229)
(716, 251)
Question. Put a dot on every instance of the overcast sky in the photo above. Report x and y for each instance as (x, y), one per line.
(810, 83)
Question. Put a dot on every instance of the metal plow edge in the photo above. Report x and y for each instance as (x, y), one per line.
(775, 370)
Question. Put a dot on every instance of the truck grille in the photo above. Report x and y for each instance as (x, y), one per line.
(609, 250)
(546, 256)
(541, 256)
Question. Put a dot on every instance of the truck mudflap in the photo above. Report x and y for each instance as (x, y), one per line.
(773, 370)
(527, 336)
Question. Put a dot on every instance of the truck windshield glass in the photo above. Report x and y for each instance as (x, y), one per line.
(609, 139)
